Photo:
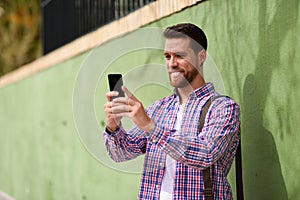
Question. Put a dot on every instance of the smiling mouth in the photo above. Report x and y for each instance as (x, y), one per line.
(175, 75)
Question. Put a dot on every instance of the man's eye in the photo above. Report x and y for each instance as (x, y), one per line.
(167, 57)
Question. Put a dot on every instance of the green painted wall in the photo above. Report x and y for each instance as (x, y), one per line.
(255, 47)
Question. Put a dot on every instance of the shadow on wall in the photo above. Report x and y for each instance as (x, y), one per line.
(262, 169)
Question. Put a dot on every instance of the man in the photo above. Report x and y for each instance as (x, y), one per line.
(176, 151)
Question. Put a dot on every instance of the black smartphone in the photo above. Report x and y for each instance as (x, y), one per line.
(115, 84)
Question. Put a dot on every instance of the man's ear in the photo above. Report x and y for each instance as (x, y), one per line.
(202, 56)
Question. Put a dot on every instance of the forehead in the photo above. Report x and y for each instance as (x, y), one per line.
(177, 44)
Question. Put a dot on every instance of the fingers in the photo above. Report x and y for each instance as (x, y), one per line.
(120, 109)
(129, 94)
(117, 108)
(123, 101)
(118, 105)
(111, 94)
(111, 119)
(121, 106)
(128, 106)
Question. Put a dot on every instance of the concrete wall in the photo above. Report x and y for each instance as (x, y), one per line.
(255, 47)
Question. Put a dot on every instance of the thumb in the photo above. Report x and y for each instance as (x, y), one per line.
(128, 93)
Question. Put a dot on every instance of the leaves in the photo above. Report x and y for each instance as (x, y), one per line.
(20, 41)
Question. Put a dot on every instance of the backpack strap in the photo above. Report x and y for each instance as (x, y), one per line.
(208, 191)
(239, 173)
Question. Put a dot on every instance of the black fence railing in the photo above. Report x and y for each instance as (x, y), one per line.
(66, 20)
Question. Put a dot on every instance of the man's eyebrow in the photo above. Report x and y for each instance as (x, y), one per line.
(180, 53)
(176, 53)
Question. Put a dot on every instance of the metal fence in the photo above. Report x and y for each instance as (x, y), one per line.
(64, 21)
(95, 13)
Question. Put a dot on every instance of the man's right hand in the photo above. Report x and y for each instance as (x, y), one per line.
(112, 121)
(128, 106)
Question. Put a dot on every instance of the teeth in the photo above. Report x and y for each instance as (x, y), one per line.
(175, 75)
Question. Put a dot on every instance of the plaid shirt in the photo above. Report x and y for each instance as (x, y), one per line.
(214, 146)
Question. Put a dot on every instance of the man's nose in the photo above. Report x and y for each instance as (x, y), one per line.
(173, 62)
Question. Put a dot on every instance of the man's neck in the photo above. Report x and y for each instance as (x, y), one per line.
(185, 92)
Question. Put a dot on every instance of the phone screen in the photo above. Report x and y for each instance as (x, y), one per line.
(115, 83)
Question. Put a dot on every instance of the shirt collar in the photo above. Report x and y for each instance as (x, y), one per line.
(205, 90)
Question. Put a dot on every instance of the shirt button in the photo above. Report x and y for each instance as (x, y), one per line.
(154, 140)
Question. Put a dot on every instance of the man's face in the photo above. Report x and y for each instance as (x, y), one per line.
(181, 62)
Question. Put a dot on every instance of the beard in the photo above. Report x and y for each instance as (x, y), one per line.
(180, 80)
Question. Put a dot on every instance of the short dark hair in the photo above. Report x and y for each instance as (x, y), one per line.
(190, 31)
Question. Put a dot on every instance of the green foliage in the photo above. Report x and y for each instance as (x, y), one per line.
(19, 33)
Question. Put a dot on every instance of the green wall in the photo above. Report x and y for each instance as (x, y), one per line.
(45, 154)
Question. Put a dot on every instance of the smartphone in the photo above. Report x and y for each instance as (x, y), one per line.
(115, 84)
